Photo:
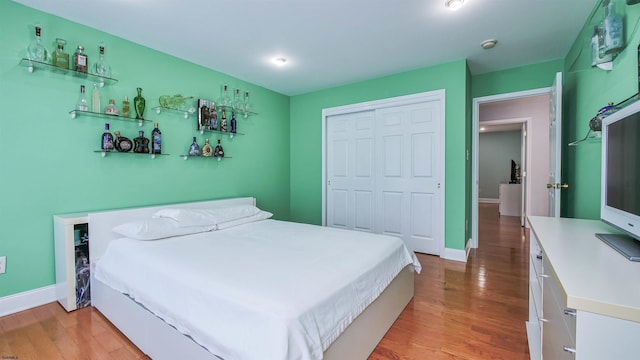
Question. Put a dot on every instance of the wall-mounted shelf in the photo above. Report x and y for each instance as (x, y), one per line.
(76, 113)
(186, 157)
(592, 137)
(105, 153)
(239, 111)
(231, 135)
(32, 65)
(185, 113)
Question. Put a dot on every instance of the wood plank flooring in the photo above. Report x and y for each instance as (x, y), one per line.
(474, 311)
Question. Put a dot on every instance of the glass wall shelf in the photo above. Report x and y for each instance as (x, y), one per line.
(186, 113)
(239, 111)
(231, 135)
(105, 153)
(31, 65)
(592, 137)
(75, 113)
(186, 157)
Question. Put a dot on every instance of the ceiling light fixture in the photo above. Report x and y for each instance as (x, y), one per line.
(280, 61)
(489, 44)
(454, 4)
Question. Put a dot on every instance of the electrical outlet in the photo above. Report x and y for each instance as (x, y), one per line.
(3, 264)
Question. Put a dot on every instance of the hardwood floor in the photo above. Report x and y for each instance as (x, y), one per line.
(474, 311)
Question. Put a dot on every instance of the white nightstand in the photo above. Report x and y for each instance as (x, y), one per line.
(71, 234)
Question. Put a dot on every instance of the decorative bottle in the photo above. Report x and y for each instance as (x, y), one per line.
(102, 68)
(95, 99)
(613, 33)
(141, 143)
(194, 149)
(107, 139)
(126, 108)
(80, 60)
(237, 101)
(246, 105)
(122, 143)
(61, 58)
(138, 104)
(213, 118)
(223, 121)
(35, 50)
(233, 122)
(218, 151)
(224, 96)
(83, 103)
(111, 109)
(207, 150)
(156, 140)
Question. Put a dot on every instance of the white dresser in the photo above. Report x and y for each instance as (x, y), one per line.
(584, 297)
(510, 200)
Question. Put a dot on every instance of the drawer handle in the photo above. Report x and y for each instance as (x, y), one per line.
(544, 275)
(569, 350)
(570, 312)
(539, 256)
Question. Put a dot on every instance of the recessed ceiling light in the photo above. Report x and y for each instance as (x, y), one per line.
(280, 61)
(454, 4)
(489, 44)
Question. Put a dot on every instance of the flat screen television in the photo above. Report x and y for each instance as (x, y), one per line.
(620, 205)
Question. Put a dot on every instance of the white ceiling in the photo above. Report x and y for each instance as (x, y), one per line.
(335, 42)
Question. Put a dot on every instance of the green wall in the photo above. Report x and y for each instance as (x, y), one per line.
(522, 78)
(306, 138)
(47, 163)
(588, 89)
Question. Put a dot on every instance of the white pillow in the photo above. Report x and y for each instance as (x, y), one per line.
(200, 217)
(158, 228)
(259, 216)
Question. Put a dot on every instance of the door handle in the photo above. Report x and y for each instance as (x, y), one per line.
(557, 186)
(551, 186)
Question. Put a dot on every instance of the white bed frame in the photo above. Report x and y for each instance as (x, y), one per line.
(160, 340)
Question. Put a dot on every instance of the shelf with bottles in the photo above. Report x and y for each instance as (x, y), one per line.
(207, 151)
(104, 153)
(185, 112)
(176, 104)
(31, 65)
(219, 158)
(76, 113)
(592, 137)
(231, 134)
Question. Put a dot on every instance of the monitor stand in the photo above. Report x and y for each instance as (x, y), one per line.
(624, 244)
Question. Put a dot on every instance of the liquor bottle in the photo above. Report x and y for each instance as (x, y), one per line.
(80, 60)
(613, 36)
(141, 143)
(95, 99)
(139, 104)
(122, 143)
(218, 152)
(107, 139)
(111, 109)
(102, 68)
(237, 101)
(156, 140)
(207, 150)
(126, 108)
(223, 121)
(61, 58)
(246, 105)
(194, 149)
(35, 50)
(213, 121)
(224, 96)
(233, 122)
(83, 103)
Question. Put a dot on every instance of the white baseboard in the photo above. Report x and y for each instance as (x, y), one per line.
(26, 300)
(456, 254)
(489, 200)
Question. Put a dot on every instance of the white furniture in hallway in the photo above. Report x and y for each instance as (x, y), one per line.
(584, 297)
(510, 199)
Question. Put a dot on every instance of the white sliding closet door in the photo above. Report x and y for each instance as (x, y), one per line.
(384, 173)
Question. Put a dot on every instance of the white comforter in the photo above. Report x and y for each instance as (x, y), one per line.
(264, 290)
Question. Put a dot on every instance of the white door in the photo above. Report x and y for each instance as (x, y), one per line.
(384, 173)
(408, 176)
(523, 173)
(555, 147)
(350, 154)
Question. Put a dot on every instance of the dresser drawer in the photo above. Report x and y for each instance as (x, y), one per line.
(552, 286)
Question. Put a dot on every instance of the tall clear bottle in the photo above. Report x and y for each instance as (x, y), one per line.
(156, 140)
(246, 105)
(101, 67)
(224, 96)
(95, 99)
(83, 103)
(237, 100)
(35, 50)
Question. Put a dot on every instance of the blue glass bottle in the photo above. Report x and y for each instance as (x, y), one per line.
(194, 149)
(233, 122)
(107, 139)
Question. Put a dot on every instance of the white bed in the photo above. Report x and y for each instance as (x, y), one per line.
(288, 320)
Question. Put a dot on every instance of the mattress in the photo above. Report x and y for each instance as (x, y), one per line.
(267, 289)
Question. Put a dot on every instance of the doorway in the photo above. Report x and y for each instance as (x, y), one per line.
(532, 105)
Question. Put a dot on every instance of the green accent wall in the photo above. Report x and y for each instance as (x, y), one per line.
(47, 160)
(521, 78)
(306, 138)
